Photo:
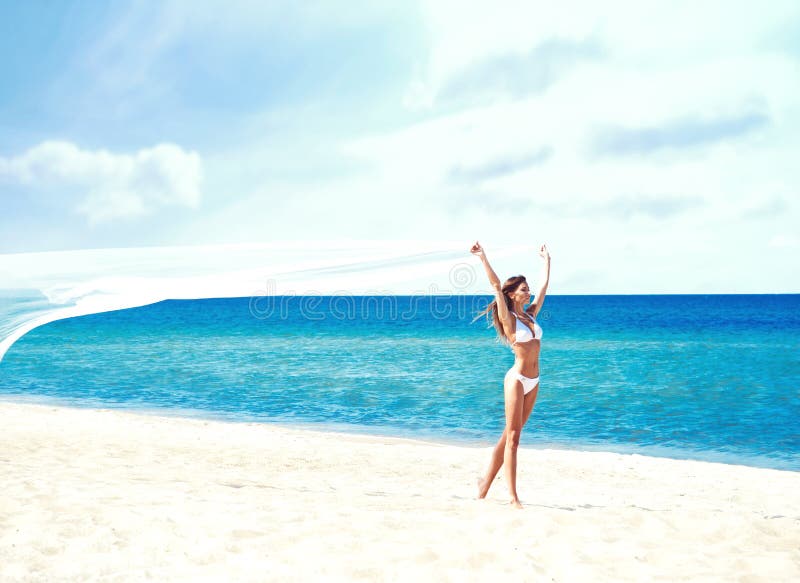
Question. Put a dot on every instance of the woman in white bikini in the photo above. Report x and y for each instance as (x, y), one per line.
(517, 326)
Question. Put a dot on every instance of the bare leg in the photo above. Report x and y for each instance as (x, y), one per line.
(494, 466)
(514, 403)
(499, 450)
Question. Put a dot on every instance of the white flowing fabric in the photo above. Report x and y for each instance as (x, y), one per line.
(36, 288)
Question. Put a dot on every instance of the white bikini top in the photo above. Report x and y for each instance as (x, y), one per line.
(523, 334)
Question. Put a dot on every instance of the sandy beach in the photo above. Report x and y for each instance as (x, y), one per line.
(111, 496)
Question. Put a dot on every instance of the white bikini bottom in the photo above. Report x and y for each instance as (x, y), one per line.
(528, 384)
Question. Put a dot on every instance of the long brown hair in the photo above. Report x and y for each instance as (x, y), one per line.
(509, 287)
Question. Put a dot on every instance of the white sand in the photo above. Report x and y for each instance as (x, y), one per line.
(99, 495)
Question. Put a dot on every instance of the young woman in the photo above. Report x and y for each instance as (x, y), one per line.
(516, 325)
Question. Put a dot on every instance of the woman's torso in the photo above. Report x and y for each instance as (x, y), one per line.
(526, 344)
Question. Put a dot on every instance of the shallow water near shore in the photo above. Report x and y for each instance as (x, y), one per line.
(702, 377)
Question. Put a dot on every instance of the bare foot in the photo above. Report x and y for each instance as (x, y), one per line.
(516, 503)
(481, 490)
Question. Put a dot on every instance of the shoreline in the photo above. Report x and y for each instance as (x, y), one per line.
(119, 496)
(388, 432)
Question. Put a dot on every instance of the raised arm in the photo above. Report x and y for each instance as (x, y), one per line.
(534, 309)
(502, 308)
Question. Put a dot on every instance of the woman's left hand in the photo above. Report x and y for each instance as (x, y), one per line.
(543, 252)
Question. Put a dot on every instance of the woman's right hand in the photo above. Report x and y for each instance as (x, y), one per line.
(477, 250)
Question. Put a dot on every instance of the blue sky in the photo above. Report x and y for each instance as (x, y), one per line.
(654, 148)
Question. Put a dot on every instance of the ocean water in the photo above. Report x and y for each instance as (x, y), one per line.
(695, 377)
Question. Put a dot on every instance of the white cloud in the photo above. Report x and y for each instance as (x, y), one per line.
(706, 129)
(111, 186)
(644, 141)
(712, 120)
(640, 37)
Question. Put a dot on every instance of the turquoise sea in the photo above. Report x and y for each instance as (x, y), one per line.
(708, 377)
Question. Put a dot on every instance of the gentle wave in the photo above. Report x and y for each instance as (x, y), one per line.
(707, 389)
